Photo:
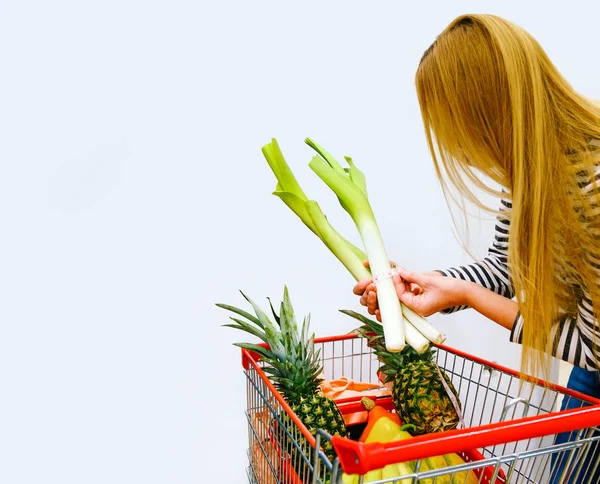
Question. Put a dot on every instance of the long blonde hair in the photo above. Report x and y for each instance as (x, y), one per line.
(493, 104)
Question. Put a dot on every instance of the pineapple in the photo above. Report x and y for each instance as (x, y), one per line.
(417, 389)
(293, 366)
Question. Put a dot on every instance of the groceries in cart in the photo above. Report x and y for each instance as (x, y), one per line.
(411, 383)
(423, 394)
(385, 426)
(427, 414)
(292, 363)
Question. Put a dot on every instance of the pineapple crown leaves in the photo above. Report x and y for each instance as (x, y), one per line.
(291, 379)
(391, 362)
(264, 353)
(275, 315)
(260, 326)
(272, 332)
(287, 320)
(307, 350)
(286, 343)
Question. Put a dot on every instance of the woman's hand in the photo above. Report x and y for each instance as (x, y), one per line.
(436, 293)
(425, 293)
(367, 291)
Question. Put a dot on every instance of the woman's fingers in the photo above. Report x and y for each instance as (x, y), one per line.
(367, 290)
(360, 287)
(372, 302)
(411, 300)
(413, 277)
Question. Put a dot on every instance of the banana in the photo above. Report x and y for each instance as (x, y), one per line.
(349, 478)
(373, 476)
(437, 462)
(463, 477)
(405, 468)
(395, 470)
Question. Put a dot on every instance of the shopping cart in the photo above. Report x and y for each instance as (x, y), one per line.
(514, 431)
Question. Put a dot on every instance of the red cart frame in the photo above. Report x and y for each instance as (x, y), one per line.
(513, 431)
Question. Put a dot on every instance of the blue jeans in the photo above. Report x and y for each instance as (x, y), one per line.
(586, 382)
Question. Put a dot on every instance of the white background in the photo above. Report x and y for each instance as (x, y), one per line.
(134, 196)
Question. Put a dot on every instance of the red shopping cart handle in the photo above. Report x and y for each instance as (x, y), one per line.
(359, 458)
(379, 453)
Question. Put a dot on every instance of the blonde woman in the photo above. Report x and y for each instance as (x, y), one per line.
(498, 113)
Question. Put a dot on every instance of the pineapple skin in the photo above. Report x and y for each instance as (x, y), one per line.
(421, 399)
(320, 412)
(417, 389)
(294, 366)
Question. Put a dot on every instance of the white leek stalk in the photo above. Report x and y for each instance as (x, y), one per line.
(355, 202)
(350, 186)
(422, 326)
(368, 228)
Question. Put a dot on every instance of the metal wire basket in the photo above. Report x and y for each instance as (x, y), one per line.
(513, 432)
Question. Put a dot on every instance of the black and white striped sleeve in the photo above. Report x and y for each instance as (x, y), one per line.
(573, 337)
(492, 271)
(576, 338)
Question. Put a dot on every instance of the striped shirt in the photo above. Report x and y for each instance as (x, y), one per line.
(573, 336)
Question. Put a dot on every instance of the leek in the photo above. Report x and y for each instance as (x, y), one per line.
(349, 184)
(289, 191)
(355, 202)
(422, 326)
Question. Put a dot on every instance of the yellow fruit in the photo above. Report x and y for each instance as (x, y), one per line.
(384, 430)
(349, 478)
(373, 476)
(390, 470)
(406, 468)
(463, 477)
(429, 464)
(438, 462)
(396, 470)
